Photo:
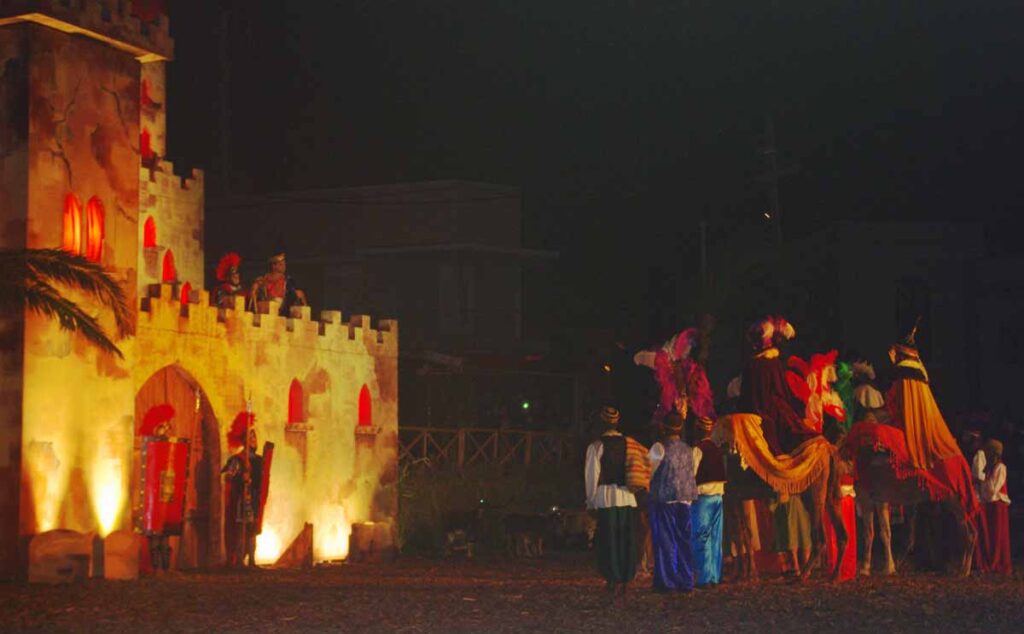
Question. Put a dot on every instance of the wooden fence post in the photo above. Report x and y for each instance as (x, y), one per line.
(527, 447)
(461, 447)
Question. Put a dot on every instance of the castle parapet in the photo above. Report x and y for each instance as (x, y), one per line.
(161, 307)
(133, 27)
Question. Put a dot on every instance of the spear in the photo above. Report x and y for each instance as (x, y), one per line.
(246, 479)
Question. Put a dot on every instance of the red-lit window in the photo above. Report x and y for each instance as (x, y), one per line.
(94, 220)
(170, 273)
(72, 241)
(186, 290)
(149, 233)
(145, 145)
(365, 408)
(296, 413)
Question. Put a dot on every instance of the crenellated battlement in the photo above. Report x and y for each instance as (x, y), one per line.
(114, 23)
(165, 310)
(164, 178)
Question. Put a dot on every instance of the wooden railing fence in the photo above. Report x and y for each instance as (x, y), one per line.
(463, 447)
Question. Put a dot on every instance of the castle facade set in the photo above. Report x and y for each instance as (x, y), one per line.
(82, 144)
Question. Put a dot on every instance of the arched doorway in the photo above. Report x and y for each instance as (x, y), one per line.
(200, 543)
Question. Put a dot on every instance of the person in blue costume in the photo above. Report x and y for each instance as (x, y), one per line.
(673, 489)
(709, 464)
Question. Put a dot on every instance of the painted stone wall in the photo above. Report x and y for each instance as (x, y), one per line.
(77, 405)
(170, 207)
(13, 197)
(328, 475)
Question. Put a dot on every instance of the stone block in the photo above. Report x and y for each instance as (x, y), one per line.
(59, 556)
(372, 541)
(121, 555)
(300, 552)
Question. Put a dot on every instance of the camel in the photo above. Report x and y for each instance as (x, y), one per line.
(744, 485)
(816, 461)
(878, 486)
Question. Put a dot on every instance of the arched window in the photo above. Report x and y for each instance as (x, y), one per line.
(149, 233)
(296, 412)
(186, 290)
(72, 240)
(94, 220)
(365, 408)
(170, 273)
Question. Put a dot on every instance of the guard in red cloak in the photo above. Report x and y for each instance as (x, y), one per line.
(162, 477)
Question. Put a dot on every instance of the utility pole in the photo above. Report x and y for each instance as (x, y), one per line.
(704, 256)
(771, 155)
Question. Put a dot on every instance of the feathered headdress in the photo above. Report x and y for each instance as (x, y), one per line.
(680, 346)
(783, 329)
(156, 416)
(678, 374)
(770, 332)
(231, 260)
(812, 384)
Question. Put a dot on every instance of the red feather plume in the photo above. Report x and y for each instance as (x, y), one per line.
(156, 415)
(236, 435)
(229, 261)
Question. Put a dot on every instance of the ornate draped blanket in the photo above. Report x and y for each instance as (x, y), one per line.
(788, 473)
(949, 476)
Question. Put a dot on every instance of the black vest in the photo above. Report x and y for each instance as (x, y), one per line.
(613, 461)
(712, 463)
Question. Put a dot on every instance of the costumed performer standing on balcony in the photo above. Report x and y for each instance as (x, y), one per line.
(277, 284)
(230, 281)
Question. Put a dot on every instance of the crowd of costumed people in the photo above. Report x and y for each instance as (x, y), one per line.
(774, 482)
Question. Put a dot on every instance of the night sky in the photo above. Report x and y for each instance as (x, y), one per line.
(624, 122)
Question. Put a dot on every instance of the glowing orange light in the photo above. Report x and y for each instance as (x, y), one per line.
(149, 233)
(145, 145)
(94, 221)
(331, 530)
(72, 240)
(295, 398)
(186, 290)
(169, 272)
(268, 546)
(107, 488)
(365, 407)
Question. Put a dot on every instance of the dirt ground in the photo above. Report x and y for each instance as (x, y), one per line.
(558, 593)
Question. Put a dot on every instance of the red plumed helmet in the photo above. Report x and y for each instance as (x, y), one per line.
(156, 415)
(236, 435)
(230, 261)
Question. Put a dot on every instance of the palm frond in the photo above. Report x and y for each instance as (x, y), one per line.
(46, 300)
(41, 266)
